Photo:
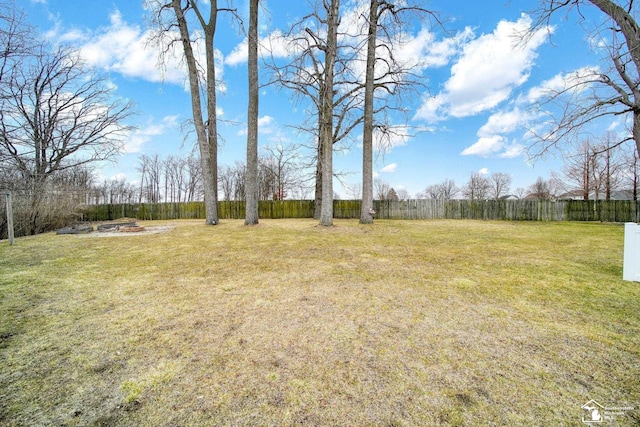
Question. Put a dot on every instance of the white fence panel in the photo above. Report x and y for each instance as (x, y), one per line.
(631, 267)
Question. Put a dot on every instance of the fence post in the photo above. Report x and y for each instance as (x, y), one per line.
(10, 233)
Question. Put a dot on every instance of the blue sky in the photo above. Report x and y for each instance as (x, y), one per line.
(472, 115)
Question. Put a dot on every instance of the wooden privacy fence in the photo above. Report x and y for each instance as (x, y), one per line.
(514, 210)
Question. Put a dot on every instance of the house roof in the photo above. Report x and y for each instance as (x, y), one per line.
(615, 195)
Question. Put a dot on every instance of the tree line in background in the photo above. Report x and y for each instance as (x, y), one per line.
(351, 75)
(58, 117)
(590, 172)
(593, 170)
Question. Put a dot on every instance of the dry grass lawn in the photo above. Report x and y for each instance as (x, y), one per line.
(403, 323)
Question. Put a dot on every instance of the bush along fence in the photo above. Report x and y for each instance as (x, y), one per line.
(514, 210)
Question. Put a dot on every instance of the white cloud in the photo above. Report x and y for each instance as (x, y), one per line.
(485, 146)
(489, 68)
(140, 137)
(439, 53)
(512, 151)
(503, 122)
(275, 45)
(492, 136)
(422, 50)
(127, 49)
(239, 54)
(265, 122)
(570, 83)
(415, 51)
(484, 171)
(390, 168)
(266, 126)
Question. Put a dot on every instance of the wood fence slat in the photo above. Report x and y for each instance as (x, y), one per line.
(512, 210)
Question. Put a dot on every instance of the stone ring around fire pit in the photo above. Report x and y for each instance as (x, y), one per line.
(131, 228)
(76, 229)
(119, 227)
(116, 226)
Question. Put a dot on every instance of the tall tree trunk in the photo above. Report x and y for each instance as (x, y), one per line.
(206, 133)
(636, 130)
(608, 174)
(251, 188)
(37, 192)
(327, 103)
(366, 213)
(585, 176)
(318, 190)
(635, 185)
(212, 119)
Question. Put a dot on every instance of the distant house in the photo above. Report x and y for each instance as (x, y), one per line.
(537, 196)
(615, 195)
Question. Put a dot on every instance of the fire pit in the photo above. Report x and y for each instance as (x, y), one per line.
(116, 225)
(76, 229)
(131, 228)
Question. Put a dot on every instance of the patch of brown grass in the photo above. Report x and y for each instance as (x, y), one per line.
(288, 323)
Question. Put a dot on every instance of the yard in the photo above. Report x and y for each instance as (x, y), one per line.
(403, 323)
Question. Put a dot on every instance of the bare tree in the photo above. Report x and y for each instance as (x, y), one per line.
(446, 190)
(613, 163)
(232, 181)
(595, 94)
(580, 172)
(251, 184)
(150, 169)
(115, 191)
(175, 169)
(280, 171)
(477, 188)
(239, 181)
(306, 76)
(500, 183)
(520, 192)
(226, 180)
(17, 39)
(353, 190)
(431, 192)
(403, 194)
(76, 183)
(173, 14)
(194, 179)
(381, 189)
(376, 8)
(631, 173)
(540, 190)
(327, 102)
(384, 16)
(57, 114)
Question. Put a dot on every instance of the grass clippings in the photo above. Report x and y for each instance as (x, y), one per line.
(414, 323)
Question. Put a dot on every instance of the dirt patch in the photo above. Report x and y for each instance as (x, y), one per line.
(117, 233)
